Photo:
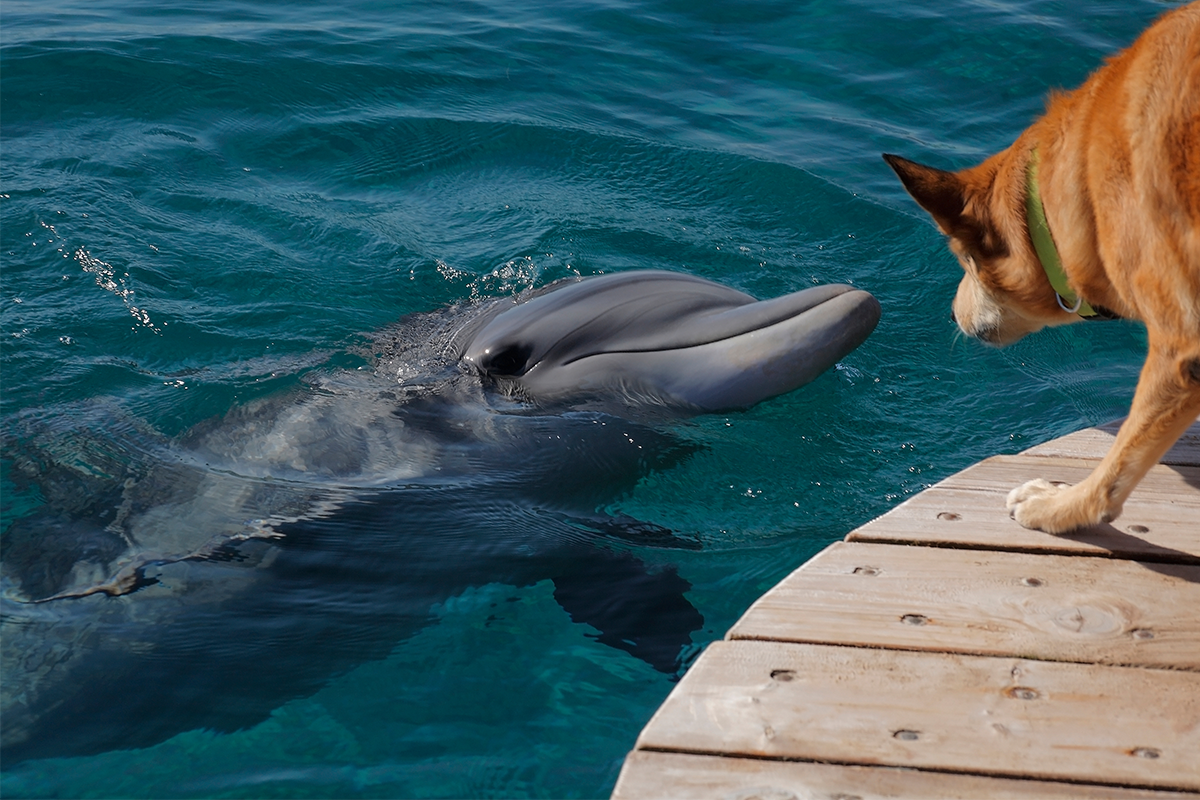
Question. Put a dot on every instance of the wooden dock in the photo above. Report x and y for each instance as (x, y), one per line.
(943, 651)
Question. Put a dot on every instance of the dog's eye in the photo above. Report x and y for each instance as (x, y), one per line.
(512, 360)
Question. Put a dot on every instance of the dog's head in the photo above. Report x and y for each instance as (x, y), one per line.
(1005, 293)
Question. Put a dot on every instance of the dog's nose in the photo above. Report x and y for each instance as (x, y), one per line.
(953, 318)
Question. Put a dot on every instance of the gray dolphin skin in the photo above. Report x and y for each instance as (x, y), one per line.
(688, 341)
(163, 584)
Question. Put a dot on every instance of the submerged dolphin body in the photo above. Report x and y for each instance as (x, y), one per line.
(166, 585)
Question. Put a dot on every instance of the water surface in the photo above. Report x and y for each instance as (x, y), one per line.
(202, 204)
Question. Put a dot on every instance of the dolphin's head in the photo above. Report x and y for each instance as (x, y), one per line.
(677, 339)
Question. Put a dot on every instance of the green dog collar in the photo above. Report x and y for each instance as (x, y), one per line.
(1043, 244)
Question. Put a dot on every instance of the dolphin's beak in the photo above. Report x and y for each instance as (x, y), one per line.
(681, 340)
(743, 369)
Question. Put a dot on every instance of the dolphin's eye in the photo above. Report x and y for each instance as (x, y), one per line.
(510, 360)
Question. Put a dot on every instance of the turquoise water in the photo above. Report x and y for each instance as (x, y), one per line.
(203, 203)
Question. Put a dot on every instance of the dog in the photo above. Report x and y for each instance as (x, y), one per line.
(1093, 212)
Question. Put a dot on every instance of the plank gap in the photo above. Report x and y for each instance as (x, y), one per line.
(1030, 779)
(1166, 461)
(1175, 557)
(737, 637)
(691, 777)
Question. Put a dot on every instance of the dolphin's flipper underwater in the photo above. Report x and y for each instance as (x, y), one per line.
(633, 609)
(158, 576)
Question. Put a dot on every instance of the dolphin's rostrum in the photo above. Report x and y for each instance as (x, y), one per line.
(314, 529)
(694, 344)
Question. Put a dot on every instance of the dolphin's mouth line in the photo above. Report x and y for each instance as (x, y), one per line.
(634, 351)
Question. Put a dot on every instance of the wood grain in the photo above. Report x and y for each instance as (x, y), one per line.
(997, 716)
(1047, 607)
(680, 776)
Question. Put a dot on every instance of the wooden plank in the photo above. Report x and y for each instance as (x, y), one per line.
(681, 776)
(1161, 521)
(997, 716)
(1057, 608)
(1002, 473)
(930, 700)
(1093, 443)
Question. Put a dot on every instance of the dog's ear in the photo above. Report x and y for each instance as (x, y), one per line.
(939, 192)
(945, 196)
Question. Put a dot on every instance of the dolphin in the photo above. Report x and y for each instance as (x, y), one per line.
(315, 528)
(691, 343)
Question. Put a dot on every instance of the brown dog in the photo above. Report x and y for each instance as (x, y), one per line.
(1093, 211)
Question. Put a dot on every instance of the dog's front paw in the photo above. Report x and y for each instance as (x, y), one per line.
(1046, 506)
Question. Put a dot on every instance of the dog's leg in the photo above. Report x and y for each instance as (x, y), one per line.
(1166, 402)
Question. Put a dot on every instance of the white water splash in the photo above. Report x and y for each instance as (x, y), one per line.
(107, 279)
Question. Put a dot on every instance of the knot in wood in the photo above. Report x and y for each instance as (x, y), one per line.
(1089, 620)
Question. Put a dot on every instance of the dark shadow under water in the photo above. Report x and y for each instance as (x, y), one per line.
(242, 591)
(242, 639)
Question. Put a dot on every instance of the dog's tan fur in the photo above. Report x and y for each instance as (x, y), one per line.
(1119, 175)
